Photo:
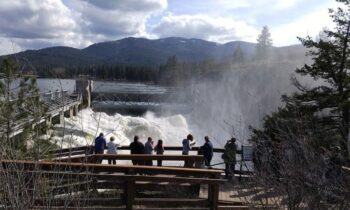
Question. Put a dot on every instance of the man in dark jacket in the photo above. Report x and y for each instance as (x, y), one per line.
(137, 147)
(229, 158)
(207, 151)
(100, 146)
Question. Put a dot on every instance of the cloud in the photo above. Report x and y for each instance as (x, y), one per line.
(307, 25)
(116, 19)
(218, 29)
(35, 19)
(31, 24)
(130, 5)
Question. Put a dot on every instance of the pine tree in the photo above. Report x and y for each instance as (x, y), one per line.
(20, 108)
(264, 45)
(331, 66)
(238, 55)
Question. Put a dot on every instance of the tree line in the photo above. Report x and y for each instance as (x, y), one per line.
(172, 72)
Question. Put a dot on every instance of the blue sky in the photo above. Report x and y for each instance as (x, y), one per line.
(35, 24)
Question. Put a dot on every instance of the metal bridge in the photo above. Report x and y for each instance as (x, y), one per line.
(59, 104)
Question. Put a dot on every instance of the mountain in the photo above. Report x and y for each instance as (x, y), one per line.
(134, 51)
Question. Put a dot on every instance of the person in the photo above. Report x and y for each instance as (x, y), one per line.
(159, 149)
(137, 147)
(208, 151)
(149, 150)
(200, 151)
(229, 157)
(100, 146)
(187, 144)
(112, 150)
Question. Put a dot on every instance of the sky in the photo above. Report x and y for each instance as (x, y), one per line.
(36, 24)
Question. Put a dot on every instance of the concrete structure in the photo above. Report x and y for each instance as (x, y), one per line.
(83, 87)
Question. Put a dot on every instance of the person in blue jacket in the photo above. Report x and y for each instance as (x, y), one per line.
(207, 151)
(100, 146)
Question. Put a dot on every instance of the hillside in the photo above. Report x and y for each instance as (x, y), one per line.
(134, 51)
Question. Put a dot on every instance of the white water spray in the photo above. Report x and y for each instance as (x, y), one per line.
(82, 129)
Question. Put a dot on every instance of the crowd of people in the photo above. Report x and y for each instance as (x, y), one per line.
(137, 147)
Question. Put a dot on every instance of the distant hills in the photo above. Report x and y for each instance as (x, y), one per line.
(138, 52)
(135, 51)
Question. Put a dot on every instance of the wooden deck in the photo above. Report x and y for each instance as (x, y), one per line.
(125, 186)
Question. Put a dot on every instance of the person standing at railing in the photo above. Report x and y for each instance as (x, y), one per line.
(149, 150)
(159, 149)
(187, 144)
(208, 151)
(229, 158)
(112, 150)
(100, 146)
(137, 147)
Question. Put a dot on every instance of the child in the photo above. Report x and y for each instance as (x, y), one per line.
(159, 149)
(112, 150)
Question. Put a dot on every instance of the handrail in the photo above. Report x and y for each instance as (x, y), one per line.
(124, 177)
(127, 169)
(128, 184)
(150, 157)
(85, 176)
(89, 150)
(192, 160)
(135, 157)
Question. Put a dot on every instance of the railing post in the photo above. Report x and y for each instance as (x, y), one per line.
(213, 196)
(129, 194)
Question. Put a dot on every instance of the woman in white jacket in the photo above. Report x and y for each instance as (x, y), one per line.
(112, 149)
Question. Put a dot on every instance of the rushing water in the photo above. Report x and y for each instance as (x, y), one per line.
(82, 129)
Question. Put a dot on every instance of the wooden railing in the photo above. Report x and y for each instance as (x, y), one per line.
(89, 150)
(192, 160)
(120, 177)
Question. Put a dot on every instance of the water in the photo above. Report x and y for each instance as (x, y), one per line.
(82, 129)
(170, 126)
(219, 108)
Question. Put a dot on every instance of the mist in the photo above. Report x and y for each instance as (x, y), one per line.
(237, 96)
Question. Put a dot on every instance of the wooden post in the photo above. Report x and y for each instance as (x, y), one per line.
(129, 194)
(213, 196)
(240, 167)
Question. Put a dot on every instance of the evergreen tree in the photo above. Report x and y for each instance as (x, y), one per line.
(264, 45)
(20, 108)
(238, 55)
(331, 65)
